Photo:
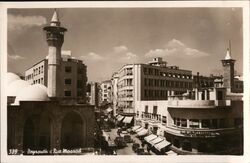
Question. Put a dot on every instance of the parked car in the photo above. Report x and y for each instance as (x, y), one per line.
(135, 146)
(140, 151)
(127, 139)
(119, 141)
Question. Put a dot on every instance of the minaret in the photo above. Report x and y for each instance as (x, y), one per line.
(228, 68)
(55, 38)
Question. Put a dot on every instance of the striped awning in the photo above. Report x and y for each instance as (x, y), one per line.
(109, 110)
(127, 119)
(142, 132)
(120, 117)
(155, 141)
(162, 144)
(135, 128)
(139, 129)
(150, 137)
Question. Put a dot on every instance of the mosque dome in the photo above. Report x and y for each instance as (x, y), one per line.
(36, 92)
(14, 87)
(12, 77)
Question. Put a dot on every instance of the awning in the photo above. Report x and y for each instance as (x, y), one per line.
(142, 132)
(161, 145)
(127, 119)
(155, 141)
(171, 153)
(120, 118)
(109, 110)
(150, 137)
(135, 128)
(139, 129)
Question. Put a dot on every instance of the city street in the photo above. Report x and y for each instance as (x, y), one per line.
(128, 149)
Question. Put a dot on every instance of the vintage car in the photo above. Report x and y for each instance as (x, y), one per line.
(127, 139)
(135, 146)
(119, 141)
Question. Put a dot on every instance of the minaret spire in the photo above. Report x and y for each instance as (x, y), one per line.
(228, 55)
(55, 19)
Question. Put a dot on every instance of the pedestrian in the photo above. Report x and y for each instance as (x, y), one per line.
(148, 148)
(109, 138)
(142, 144)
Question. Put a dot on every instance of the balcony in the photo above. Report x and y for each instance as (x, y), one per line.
(198, 103)
(201, 133)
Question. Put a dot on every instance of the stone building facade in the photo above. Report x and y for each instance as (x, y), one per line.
(39, 125)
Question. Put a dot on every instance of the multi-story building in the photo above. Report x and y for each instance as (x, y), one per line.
(105, 92)
(93, 93)
(72, 72)
(202, 120)
(114, 92)
(152, 81)
(200, 81)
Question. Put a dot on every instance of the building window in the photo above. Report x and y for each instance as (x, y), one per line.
(164, 119)
(67, 81)
(68, 69)
(80, 70)
(238, 122)
(194, 123)
(183, 123)
(79, 83)
(154, 109)
(222, 123)
(205, 123)
(214, 123)
(41, 80)
(178, 122)
(145, 70)
(146, 109)
(67, 93)
(79, 93)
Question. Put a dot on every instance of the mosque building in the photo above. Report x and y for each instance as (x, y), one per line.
(39, 117)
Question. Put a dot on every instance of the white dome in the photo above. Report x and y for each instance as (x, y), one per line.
(36, 92)
(14, 87)
(12, 77)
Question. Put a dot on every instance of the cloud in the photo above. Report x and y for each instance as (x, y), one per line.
(92, 57)
(130, 56)
(15, 57)
(123, 55)
(120, 49)
(19, 22)
(12, 56)
(176, 48)
(116, 55)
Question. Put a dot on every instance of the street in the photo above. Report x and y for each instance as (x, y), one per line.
(128, 149)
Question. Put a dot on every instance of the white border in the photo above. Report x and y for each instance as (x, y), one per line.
(119, 4)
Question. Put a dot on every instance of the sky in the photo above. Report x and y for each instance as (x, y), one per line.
(107, 38)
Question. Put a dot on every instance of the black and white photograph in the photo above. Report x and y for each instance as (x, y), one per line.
(90, 81)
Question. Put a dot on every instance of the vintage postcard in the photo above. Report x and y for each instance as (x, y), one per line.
(125, 81)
